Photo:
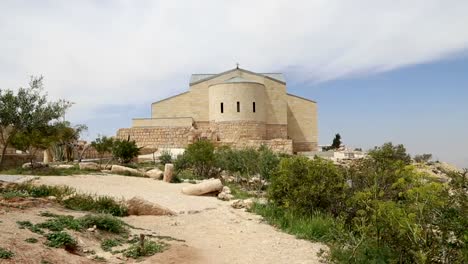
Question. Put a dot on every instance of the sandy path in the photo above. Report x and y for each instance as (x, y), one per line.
(214, 232)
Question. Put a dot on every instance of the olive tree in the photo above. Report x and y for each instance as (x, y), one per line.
(27, 111)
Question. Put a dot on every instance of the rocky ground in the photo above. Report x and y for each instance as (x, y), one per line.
(204, 229)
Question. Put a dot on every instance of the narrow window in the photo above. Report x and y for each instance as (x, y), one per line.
(222, 108)
(238, 107)
(253, 107)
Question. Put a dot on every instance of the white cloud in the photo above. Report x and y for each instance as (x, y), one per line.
(99, 53)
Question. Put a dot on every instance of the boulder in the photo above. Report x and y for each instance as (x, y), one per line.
(88, 166)
(126, 170)
(168, 172)
(62, 166)
(239, 204)
(225, 194)
(34, 165)
(205, 187)
(138, 206)
(155, 173)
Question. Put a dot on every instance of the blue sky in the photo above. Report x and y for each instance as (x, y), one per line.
(388, 70)
(424, 107)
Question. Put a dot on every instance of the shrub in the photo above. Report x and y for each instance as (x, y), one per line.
(108, 244)
(125, 150)
(44, 190)
(200, 157)
(6, 254)
(424, 158)
(308, 185)
(165, 157)
(60, 222)
(98, 204)
(268, 162)
(31, 240)
(61, 239)
(103, 145)
(104, 222)
(150, 248)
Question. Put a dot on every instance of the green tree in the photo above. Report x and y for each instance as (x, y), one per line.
(125, 150)
(103, 145)
(200, 156)
(25, 111)
(336, 142)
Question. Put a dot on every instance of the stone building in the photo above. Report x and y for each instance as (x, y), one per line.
(239, 108)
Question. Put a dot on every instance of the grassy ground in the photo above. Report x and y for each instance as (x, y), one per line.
(68, 197)
(47, 171)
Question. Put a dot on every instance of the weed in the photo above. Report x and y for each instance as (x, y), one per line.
(6, 254)
(99, 259)
(104, 222)
(13, 194)
(238, 192)
(47, 171)
(44, 190)
(99, 204)
(108, 244)
(61, 239)
(150, 248)
(315, 226)
(48, 214)
(59, 222)
(31, 240)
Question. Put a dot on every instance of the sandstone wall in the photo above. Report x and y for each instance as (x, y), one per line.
(162, 122)
(275, 96)
(157, 137)
(276, 145)
(276, 131)
(302, 123)
(304, 146)
(239, 130)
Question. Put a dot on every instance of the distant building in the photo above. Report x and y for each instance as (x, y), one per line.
(239, 108)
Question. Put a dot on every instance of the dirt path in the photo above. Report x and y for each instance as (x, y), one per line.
(213, 231)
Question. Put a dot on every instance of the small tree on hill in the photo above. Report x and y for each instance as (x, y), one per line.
(28, 111)
(336, 142)
(125, 150)
(103, 145)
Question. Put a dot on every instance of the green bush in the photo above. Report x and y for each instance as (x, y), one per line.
(31, 240)
(108, 244)
(200, 157)
(165, 157)
(97, 204)
(61, 239)
(6, 254)
(389, 212)
(150, 248)
(125, 150)
(104, 222)
(308, 185)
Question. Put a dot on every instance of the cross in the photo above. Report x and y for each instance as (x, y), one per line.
(237, 65)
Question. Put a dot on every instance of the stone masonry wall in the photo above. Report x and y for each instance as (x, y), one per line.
(276, 145)
(276, 131)
(157, 137)
(234, 131)
(304, 146)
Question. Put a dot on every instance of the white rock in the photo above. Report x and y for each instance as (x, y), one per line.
(155, 173)
(168, 172)
(204, 187)
(226, 190)
(88, 166)
(62, 166)
(123, 169)
(225, 196)
(30, 165)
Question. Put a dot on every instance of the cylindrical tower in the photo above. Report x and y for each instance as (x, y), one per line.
(237, 109)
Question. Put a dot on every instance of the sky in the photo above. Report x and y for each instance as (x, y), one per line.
(380, 70)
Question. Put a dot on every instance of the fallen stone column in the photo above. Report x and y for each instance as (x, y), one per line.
(203, 187)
